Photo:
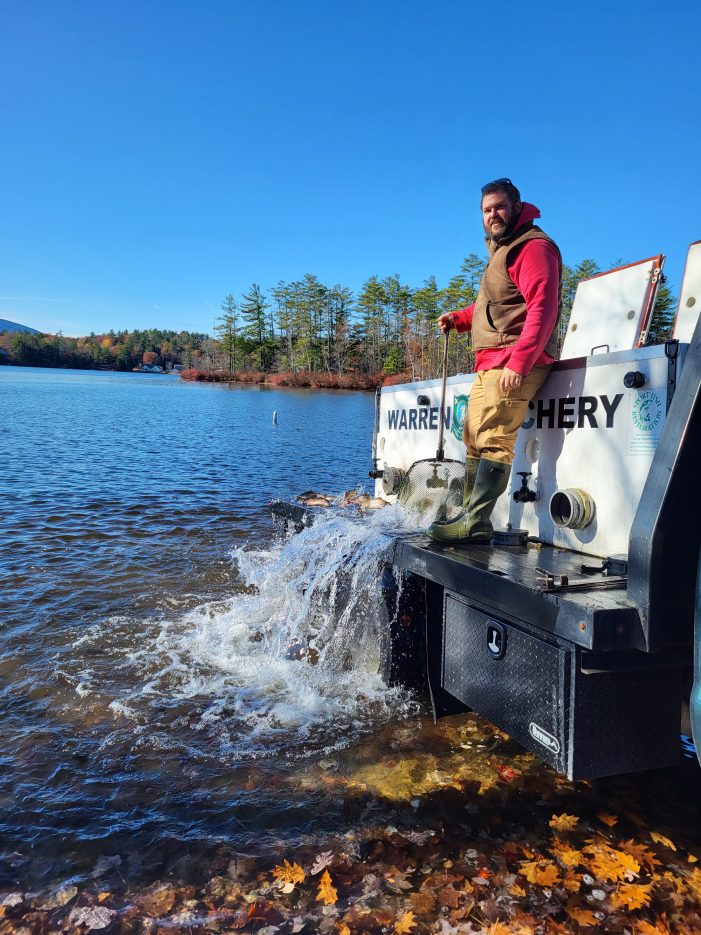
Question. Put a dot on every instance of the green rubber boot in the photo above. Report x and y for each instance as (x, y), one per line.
(473, 525)
(471, 466)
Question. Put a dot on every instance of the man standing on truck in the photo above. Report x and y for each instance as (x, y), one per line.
(514, 337)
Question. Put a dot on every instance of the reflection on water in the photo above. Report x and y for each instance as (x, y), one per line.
(147, 699)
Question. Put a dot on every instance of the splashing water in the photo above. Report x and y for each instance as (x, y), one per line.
(219, 679)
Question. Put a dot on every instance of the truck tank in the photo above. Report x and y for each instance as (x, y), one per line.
(575, 630)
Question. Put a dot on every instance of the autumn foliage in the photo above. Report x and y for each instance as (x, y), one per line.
(301, 378)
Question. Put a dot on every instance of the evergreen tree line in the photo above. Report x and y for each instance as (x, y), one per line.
(388, 328)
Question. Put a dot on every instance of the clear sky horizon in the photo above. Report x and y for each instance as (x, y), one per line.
(159, 155)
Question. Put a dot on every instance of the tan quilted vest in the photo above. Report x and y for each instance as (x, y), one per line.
(500, 309)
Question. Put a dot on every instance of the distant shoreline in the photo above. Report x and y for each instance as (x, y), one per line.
(300, 379)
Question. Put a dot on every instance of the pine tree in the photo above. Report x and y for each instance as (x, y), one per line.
(664, 313)
(252, 310)
(226, 329)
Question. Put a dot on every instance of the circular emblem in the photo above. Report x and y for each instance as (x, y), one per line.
(459, 413)
(647, 411)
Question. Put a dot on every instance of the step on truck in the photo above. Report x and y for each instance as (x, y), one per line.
(575, 630)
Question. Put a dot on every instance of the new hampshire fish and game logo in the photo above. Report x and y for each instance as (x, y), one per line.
(647, 412)
(459, 413)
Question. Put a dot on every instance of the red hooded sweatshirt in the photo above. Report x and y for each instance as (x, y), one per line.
(535, 272)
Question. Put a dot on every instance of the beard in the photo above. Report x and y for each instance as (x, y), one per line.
(497, 230)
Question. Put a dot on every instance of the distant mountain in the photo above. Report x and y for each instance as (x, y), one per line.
(6, 325)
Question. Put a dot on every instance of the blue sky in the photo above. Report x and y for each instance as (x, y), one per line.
(158, 154)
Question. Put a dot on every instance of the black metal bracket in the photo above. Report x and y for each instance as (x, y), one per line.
(671, 352)
(549, 581)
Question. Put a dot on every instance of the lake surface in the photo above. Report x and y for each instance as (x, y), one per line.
(152, 726)
(148, 601)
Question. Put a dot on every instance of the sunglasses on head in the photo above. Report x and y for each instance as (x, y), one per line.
(497, 182)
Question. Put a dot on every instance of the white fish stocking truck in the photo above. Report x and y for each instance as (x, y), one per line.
(575, 630)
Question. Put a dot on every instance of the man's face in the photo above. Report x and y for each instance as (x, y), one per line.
(496, 214)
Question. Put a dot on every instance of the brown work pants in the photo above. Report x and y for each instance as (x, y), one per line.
(494, 418)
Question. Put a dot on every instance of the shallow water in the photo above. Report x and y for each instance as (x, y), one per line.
(152, 726)
(147, 701)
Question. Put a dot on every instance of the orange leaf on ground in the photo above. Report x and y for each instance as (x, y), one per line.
(694, 882)
(660, 927)
(661, 839)
(583, 916)
(327, 893)
(564, 822)
(565, 854)
(611, 865)
(572, 883)
(607, 819)
(404, 923)
(288, 873)
(540, 872)
(631, 896)
(516, 890)
(344, 930)
(498, 928)
(642, 854)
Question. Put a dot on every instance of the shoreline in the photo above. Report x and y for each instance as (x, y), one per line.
(458, 833)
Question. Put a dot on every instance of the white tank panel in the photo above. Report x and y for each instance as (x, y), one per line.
(584, 430)
(587, 431)
(609, 310)
(690, 296)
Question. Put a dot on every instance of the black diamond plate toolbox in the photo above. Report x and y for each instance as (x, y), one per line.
(583, 722)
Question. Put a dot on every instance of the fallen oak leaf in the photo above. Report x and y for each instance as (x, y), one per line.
(693, 881)
(661, 839)
(404, 924)
(288, 873)
(540, 872)
(321, 862)
(611, 865)
(584, 917)
(564, 822)
(642, 854)
(397, 879)
(647, 928)
(631, 896)
(326, 893)
(568, 856)
(97, 917)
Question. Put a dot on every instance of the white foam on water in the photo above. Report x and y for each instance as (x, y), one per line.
(221, 673)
